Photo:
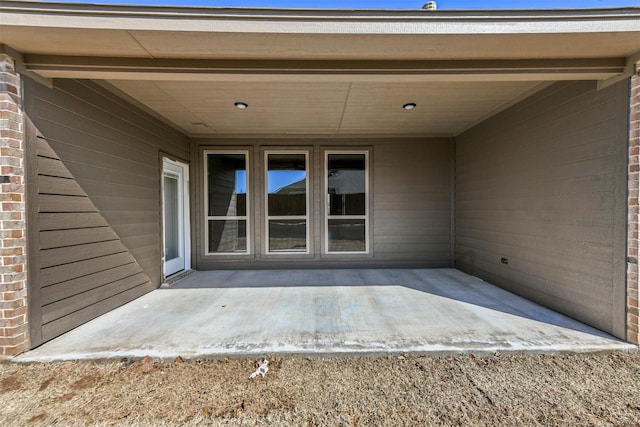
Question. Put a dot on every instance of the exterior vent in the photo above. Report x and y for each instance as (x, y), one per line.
(430, 6)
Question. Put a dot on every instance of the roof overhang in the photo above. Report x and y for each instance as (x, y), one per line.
(218, 45)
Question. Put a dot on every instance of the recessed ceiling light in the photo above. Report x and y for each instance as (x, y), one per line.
(241, 105)
(409, 106)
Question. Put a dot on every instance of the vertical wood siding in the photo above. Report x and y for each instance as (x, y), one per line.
(98, 205)
(410, 209)
(543, 184)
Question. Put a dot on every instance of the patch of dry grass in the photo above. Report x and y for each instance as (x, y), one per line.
(596, 389)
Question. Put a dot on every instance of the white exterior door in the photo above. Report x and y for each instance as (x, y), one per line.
(175, 193)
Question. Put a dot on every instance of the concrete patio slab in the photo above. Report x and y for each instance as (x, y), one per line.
(325, 312)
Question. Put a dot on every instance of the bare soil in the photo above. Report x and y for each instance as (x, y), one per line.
(527, 390)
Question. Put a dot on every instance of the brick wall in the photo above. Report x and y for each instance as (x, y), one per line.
(13, 285)
(634, 175)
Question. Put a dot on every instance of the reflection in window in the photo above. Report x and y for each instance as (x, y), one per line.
(346, 184)
(287, 202)
(346, 235)
(227, 236)
(346, 180)
(226, 202)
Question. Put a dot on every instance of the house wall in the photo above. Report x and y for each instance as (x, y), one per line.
(633, 231)
(410, 205)
(13, 284)
(543, 184)
(94, 186)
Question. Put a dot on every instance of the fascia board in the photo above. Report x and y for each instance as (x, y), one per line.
(71, 15)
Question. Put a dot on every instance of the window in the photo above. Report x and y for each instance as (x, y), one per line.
(347, 188)
(227, 202)
(287, 202)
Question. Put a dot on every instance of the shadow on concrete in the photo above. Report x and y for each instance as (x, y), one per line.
(446, 283)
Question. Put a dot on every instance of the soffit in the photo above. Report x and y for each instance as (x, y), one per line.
(187, 44)
(183, 32)
(157, 57)
(323, 108)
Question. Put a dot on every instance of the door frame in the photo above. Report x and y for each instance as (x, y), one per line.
(184, 214)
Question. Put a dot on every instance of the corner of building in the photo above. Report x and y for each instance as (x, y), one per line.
(633, 311)
(14, 333)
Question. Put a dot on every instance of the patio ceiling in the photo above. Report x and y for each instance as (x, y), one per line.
(320, 72)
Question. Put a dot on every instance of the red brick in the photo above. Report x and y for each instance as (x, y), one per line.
(18, 330)
(20, 311)
(11, 287)
(13, 321)
(11, 306)
(12, 341)
(17, 349)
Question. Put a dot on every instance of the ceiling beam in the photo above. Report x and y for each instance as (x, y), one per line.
(51, 66)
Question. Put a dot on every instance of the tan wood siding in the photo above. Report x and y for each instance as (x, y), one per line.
(411, 201)
(410, 204)
(84, 268)
(98, 205)
(543, 184)
(112, 150)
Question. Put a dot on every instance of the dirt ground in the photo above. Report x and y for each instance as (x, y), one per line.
(595, 389)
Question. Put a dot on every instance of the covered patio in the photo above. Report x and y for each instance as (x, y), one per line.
(335, 155)
(214, 314)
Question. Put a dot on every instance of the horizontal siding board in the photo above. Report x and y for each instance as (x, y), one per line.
(113, 173)
(52, 167)
(552, 253)
(55, 203)
(75, 319)
(133, 218)
(82, 149)
(128, 204)
(567, 282)
(44, 150)
(78, 154)
(540, 184)
(70, 254)
(70, 221)
(535, 289)
(128, 191)
(66, 272)
(59, 186)
(63, 290)
(95, 125)
(139, 229)
(82, 300)
(62, 238)
(128, 116)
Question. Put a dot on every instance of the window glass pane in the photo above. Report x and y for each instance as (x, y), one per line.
(227, 236)
(227, 184)
(288, 235)
(287, 184)
(346, 235)
(171, 217)
(346, 184)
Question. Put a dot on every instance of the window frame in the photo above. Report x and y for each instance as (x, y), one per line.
(326, 206)
(247, 218)
(306, 217)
